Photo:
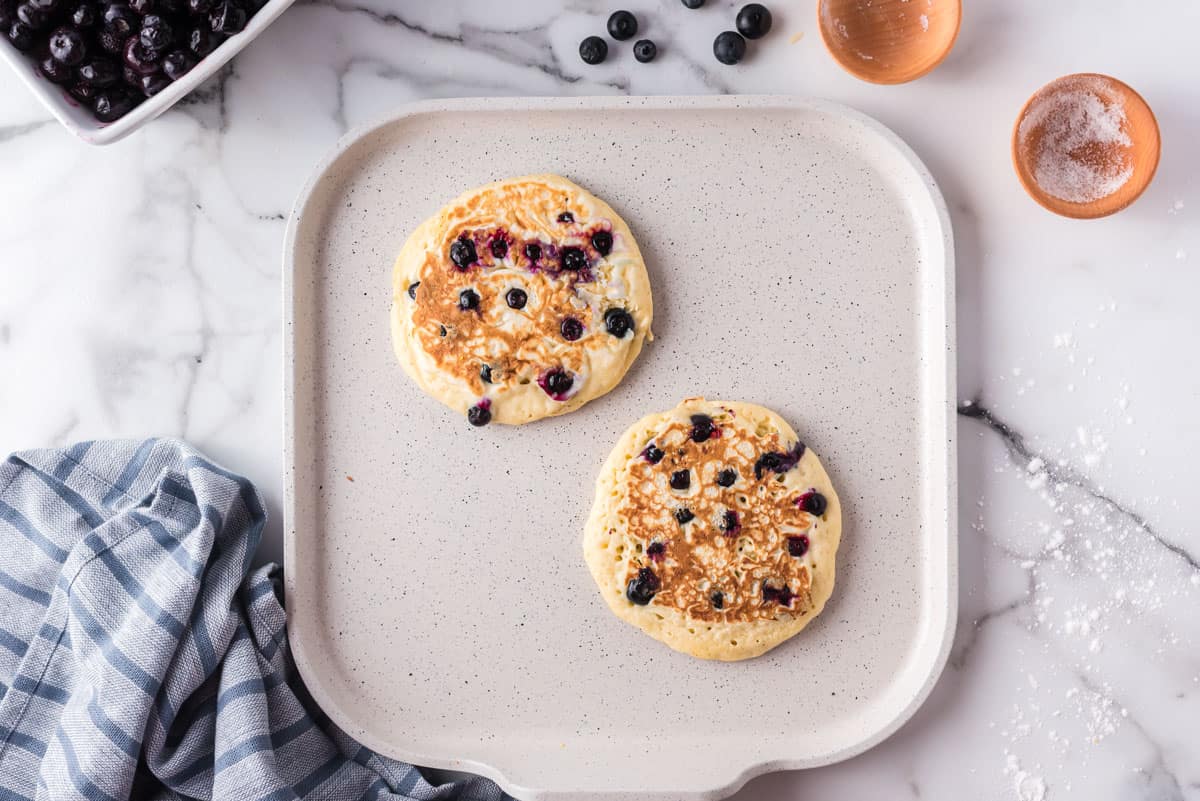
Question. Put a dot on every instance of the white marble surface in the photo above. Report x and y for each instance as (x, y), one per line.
(139, 294)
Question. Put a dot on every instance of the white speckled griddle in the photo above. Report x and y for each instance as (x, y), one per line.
(441, 611)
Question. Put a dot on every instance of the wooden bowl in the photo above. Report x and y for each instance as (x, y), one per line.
(889, 41)
(1084, 170)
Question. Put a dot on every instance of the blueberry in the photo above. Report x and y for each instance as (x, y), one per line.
(112, 104)
(571, 329)
(556, 383)
(479, 414)
(153, 84)
(754, 21)
(693, 3)
(178, 63)
(485, 373)
(574, 260)
(156, 33)
(683, 515)
(441, 331)
(566, 217)
(66, 46)
(516, 298)
(468, 300)
(139, 59)
(83, 15)
(642, 587)
(227, 17)
(83, 92)
(55, 71)
(779, 462)
(51, 7)
(729, 47)
(622, 25)
(203, 41)
(618, 322)
(111, 41)
(645, 50)
(702, 427)
(499, 247)
(462, 252)
(143, 7)
(200, 6)
(798, 545)
(99, 72)
(120, 18)
(780, 595)
(533, 253)
(602, 242)
(681, 479)
(653, 454)
(717, 599)
(656, 551)
(813, 502)
(729, 523)
(21, 36)
(593, 50)
(727, 477)
(32, 17)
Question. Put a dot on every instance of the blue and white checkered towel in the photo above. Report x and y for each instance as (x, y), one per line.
(137, 657)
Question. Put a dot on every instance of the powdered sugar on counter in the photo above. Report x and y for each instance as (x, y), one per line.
(1076, 136)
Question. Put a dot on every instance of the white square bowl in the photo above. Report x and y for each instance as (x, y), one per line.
(79, 120)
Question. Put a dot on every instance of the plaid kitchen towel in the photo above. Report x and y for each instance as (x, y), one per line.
(140, 658)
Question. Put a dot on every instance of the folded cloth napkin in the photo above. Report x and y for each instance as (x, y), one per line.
(140, 658)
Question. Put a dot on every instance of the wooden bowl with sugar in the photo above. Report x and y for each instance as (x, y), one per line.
(1085, 146)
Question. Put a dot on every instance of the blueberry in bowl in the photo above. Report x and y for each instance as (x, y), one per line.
(94, 62)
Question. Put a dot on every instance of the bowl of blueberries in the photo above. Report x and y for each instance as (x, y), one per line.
(104, 68)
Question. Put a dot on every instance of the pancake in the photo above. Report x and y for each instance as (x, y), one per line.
(519, 300)
(714, 530)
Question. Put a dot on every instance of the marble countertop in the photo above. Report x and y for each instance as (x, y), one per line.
(140, 294)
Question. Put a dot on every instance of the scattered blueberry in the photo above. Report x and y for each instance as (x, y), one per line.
(754, 21)
(574, 259)
(480, 414)
(642, 587)
(798, 545)
(693, 3)
(67, 46)
(812, 502)
(702, 427)
(462, 253)
(656, 551)
(499, 247)
(645, 50)
(516, 298)
(718, 600)
(729, 47)
(566, 217)
(556, 383)
(602, 242)
(533, 253)
(571, 329)
(468, 300)
(776, 462)
(618, 322)
(485, 373)
(593, 50)
(653, 454)
(730, 523)
(683, 515)
(727, 477)
(681, 479)
(622, 25)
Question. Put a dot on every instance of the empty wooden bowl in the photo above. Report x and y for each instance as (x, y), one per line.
(889, 41)
(1085, 145)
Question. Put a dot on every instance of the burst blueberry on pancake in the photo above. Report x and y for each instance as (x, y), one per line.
(714, 529)
(521, 299)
